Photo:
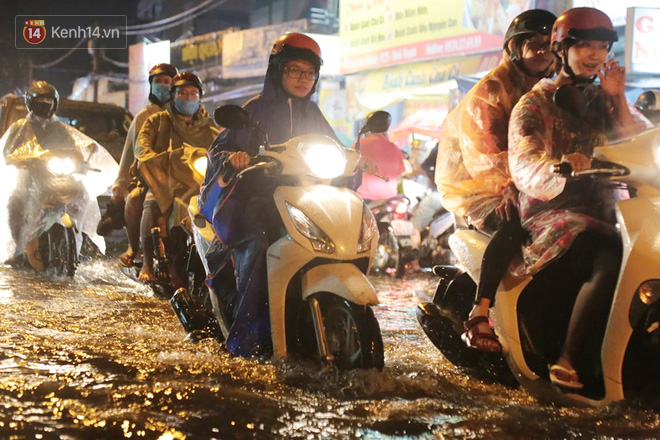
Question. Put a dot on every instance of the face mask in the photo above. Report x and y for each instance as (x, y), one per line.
(186, 106)
(41, 109)
(161, 91)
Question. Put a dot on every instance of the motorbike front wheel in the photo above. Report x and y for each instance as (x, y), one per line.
(58, 250)
(352, 333)
(388, 254)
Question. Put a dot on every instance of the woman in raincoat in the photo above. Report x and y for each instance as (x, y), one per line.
(574, 218)
(472, 170)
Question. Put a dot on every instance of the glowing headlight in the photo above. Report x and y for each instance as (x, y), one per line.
(367, 231)
(649, 291)
(200, 165)
(61, 166)
(325, 161)
(320, 241)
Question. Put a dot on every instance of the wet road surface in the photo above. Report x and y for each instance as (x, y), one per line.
(98, 357)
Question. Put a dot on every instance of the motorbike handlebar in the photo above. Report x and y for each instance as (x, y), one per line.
(598, 168)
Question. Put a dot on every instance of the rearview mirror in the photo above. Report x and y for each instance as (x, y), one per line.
(572, 100)
(231, 116)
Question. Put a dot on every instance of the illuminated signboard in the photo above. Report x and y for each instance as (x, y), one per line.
(616, 9)
(378, 33)
(643, 41)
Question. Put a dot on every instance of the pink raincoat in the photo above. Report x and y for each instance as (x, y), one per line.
(472, 166)
(552, 208)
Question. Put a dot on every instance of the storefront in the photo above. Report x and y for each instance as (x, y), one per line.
(404, 57)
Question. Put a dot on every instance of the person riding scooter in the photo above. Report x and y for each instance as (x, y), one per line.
(573, 219)
(388, 160)
(128, 191)
(472, 172)
(184, 124)
(283, 110)
(25, 145)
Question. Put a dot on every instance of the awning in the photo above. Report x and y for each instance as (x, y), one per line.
(427, 122)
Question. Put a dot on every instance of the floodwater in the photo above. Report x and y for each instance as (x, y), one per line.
(98, 357)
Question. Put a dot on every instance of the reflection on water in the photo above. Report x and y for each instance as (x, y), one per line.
(98, 357)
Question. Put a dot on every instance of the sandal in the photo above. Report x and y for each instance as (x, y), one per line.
(146, 276)
(127, 259)
(564, 378)
(483, 341)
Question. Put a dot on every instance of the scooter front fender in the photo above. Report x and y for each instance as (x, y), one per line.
(342, 279)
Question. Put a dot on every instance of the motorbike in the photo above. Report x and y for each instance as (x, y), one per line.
(175, 176)
(436, 225)
(531, 313)
(319, 296)
(398, 238)
(56, 191)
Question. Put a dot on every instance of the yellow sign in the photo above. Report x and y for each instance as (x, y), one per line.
(377, 33)
(424, 75)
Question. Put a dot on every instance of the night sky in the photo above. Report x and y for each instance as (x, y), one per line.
(14, 62)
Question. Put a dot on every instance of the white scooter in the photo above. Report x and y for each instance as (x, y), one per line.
(318, 291)
(530, 315)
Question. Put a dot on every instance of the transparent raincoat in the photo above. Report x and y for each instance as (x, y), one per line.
(38, 197)
(552, 208)
(472, 163)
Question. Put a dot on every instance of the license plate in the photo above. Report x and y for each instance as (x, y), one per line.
(404, 241)
(403, 228)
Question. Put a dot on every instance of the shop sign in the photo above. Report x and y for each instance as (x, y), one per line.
(615, 9)
(377, 33)
(428, 74)
(245, 53)
(195, 53)
(643, 41)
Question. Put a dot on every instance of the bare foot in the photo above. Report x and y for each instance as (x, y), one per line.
(147, 274)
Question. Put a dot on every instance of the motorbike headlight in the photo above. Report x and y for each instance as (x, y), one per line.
(61, 166)
(200, 165)
(326, 160)
(320, 241)
(367, 231)
(649, 291)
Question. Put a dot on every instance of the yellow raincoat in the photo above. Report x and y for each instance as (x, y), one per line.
(166, 170)
(472, 165)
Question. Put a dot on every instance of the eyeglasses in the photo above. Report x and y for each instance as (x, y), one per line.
(187, 94)
(295, 73)
(536, 45)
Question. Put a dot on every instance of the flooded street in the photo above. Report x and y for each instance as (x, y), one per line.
(98, 357)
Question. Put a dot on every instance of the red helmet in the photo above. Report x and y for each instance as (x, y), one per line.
(163, 69)
(296, 46)
(187, 79)
(583, 24)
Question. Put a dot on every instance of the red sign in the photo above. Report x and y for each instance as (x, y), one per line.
(34, 31)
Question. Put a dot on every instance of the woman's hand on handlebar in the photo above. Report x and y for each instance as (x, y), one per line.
(579, 162)
(239, 160)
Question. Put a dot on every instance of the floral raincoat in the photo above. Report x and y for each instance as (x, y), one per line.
(552, 208)
(472, 164)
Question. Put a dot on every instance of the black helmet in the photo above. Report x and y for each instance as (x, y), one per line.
(163, 69)
(41, 89)
(534, 21)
